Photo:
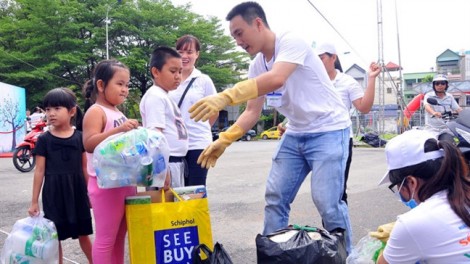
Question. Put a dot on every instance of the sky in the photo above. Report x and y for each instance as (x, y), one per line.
(425, 28)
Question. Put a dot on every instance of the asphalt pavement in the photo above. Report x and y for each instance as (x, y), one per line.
(236, 198)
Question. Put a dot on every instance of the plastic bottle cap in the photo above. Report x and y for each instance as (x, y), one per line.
(146, 160)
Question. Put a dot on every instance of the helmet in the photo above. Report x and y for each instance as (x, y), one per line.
(439, 77)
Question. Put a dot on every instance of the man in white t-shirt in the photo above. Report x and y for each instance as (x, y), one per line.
(292, 79)
(349, 90)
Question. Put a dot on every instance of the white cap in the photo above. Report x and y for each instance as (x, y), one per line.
(408, 149)
(326, 48)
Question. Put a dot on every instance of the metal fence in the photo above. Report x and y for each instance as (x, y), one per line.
(393, 122)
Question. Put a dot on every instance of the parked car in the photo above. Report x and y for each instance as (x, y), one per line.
(249, 135)
(270, 133)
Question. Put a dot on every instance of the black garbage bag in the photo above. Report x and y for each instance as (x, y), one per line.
(307, 245)
(218, 256)
(374, 140)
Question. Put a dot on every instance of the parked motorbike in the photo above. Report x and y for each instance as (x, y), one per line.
(459, 125)
(23, 157)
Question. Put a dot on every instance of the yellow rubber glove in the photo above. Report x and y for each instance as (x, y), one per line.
(211, 105)
(383, 232)
(209, 156)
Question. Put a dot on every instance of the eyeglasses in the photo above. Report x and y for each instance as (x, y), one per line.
(395, 187)
(440, 83)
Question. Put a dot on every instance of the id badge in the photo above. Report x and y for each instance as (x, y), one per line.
(274, 99)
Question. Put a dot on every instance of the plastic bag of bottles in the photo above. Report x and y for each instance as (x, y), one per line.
(33, 240)
(138, 157)
(366, 251)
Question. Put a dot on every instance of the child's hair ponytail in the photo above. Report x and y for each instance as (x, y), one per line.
(88, 90)
(79, 119)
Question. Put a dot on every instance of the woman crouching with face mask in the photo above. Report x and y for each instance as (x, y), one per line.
(433, 178)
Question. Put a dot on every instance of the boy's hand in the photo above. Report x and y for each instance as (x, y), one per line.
(167, 184)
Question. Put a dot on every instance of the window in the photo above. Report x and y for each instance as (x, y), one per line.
(389, 90)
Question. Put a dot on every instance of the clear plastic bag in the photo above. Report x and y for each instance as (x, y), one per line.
(138, 157)
(33, 240)
(365, 252)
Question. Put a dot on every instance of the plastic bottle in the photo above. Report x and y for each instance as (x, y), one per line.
(138, 157)
(27, 241)
(17, 258)
(159, 164)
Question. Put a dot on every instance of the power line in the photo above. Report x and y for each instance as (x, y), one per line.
(36, 68)
(337, 32)
(400, 98)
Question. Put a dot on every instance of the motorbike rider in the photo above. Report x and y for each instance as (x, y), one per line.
(38, 116)
(446, 103)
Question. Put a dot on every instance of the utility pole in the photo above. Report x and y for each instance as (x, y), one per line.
(381, 121)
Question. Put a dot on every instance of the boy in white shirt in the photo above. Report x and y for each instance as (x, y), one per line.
(161, 113)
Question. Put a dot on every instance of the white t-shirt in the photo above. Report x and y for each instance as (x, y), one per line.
(431, 233)
(308, 98)
(200, 135)
(447, 103)
(349, 90)
(159, 111)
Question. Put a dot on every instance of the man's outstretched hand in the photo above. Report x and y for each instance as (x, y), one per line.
(211, 105)
(209, 156)
(208, 106)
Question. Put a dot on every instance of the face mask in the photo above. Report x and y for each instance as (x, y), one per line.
(412, 202)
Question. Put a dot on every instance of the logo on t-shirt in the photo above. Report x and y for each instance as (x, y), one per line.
(120, 121)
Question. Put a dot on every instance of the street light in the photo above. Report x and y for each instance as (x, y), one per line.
(107, 21)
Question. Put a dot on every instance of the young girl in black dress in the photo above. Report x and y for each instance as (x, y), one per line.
(61, 165)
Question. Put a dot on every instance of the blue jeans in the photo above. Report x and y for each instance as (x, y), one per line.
(325, 155)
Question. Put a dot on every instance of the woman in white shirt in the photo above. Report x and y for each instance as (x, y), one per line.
(432, 178)
(194, 86)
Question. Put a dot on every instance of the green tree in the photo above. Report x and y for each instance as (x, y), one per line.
(50, 43)
(427, 78)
